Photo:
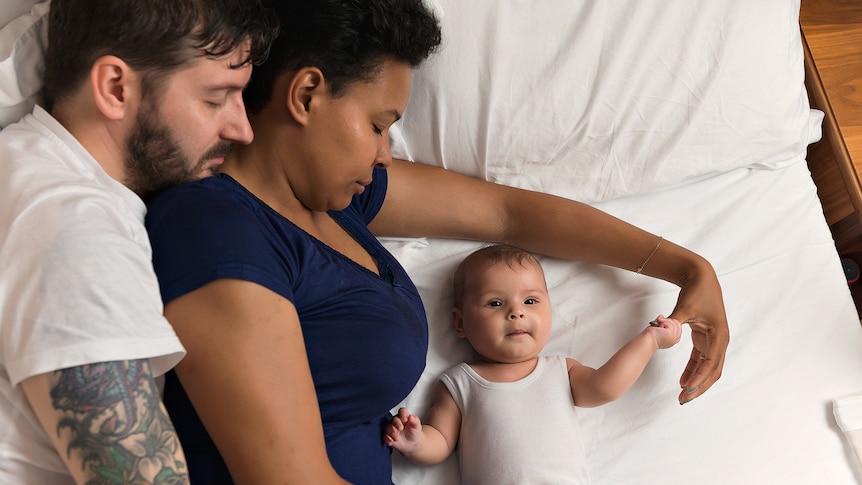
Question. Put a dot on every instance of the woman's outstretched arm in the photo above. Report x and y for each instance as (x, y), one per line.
(428, 201)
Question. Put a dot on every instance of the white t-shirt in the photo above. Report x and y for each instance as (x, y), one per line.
(518, 433)
(76, 281)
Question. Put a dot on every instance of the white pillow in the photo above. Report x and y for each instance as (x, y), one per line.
(12, 9)
(594, 100)
(22, 47)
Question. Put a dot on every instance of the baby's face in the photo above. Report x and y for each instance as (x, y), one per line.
(506, 315)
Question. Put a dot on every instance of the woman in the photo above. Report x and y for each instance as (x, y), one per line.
(302, 332)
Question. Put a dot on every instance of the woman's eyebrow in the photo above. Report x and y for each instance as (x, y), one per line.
(395, 114)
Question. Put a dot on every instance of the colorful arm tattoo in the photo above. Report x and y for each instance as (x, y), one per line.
(112, 414)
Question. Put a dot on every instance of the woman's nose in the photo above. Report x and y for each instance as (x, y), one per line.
(384, 155)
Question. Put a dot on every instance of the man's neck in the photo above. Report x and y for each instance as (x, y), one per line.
(101, 137)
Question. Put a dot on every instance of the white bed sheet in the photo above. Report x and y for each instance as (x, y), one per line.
(796, 341)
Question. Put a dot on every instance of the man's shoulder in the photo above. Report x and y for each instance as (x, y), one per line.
(44, 166)
(20, 134)
(52, 208)
(33, 149)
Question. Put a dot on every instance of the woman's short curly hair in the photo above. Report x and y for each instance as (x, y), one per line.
(348, 40)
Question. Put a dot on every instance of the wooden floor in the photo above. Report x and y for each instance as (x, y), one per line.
(832, 38)
(833, 31)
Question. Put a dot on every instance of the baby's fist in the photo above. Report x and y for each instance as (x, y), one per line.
(666, 331)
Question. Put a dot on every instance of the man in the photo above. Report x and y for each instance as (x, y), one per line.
(139, 95)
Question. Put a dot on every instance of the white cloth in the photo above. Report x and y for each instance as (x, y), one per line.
(598, 100)
(848, 414)
(76, 285)
(23, 39)
(520, 433)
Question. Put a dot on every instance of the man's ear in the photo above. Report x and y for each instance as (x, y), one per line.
(115, 87)
(458, 322)
(305, 87)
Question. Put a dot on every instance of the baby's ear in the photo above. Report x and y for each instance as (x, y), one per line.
(458, 322)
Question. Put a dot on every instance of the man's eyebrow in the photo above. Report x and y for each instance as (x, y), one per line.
(226, 86)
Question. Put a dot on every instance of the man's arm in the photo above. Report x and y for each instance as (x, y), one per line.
(108, 424)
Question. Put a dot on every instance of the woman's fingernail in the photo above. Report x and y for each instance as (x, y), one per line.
(686, 401)
(690, 391)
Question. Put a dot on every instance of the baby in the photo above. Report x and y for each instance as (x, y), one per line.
(512, 412)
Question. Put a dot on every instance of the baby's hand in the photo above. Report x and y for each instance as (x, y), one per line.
(404, 432)
(666, 331)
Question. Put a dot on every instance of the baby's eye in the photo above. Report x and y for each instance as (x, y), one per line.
(495, 303)
(530, 301)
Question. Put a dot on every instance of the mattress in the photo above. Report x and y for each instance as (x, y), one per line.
(796, 340)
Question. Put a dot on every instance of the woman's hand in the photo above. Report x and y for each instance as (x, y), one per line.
(701, 306)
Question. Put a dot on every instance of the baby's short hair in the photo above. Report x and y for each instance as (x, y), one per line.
(487, 256)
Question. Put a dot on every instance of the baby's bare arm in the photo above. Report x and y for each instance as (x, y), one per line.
(594, 387)
(432, 442)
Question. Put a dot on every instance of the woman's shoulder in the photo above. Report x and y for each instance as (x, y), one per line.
(220, 189)
(214, 228)
(217, 200)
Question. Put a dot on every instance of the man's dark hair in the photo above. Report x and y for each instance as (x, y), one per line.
(154, 37)
(348, 40)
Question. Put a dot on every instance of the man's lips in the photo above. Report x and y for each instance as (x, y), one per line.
(213, 162)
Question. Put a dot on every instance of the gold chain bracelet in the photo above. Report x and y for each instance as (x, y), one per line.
(660, 239)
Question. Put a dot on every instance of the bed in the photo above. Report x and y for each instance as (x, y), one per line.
(689, 119)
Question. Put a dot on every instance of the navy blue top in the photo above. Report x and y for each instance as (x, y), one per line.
(366, 335)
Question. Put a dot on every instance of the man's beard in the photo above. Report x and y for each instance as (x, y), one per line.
(154, 158)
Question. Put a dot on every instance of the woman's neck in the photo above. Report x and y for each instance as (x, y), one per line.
(261, 168)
